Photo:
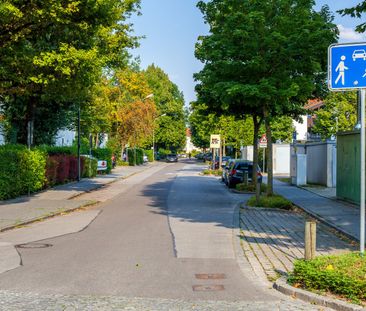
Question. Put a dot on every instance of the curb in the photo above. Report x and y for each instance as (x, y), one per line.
(312, 298)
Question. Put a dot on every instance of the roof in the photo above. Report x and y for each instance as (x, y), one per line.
(314, 104)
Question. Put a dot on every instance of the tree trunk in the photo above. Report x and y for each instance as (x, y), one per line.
(269, 153)
(223, 147)
(257, 124)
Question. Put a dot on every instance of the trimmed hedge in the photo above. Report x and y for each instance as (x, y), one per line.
(149, 153)
(21, 171)
(104, 154)
(139, 153)
(89, 167)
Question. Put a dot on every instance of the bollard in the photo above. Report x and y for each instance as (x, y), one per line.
(310, 240)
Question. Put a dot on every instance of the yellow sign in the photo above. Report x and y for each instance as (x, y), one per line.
(215, 141)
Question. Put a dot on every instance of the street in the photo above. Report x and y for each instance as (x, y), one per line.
(164, 242)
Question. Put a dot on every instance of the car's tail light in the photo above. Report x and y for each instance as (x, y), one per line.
(259, 174)
(233, 172)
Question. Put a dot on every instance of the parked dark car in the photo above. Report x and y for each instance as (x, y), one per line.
(225, 170)
(235, 172)
(172, 158)
(207, 157)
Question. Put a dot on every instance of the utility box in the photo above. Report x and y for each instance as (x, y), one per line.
(298, 169)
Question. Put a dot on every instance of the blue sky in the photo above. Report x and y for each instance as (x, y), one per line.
(171, 28)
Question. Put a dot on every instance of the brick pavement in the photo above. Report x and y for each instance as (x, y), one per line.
(273, 239)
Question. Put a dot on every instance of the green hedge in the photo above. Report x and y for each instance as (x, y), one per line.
(21, 171)
(139, 153)
(54, 150)
(342, 275)
(104, 154)
(90, 167)
(149, 154)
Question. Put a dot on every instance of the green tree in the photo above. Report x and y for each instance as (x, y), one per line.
(357, 12)
(52, 53)
(171, 128)
(338, 114)
(259, 61)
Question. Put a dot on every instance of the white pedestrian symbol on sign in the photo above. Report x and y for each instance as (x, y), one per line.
(341, 69)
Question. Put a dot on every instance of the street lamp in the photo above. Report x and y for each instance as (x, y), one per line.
(164, 114)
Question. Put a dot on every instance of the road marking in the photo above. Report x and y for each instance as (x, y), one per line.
(210, 276)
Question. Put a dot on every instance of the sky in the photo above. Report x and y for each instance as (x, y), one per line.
(171, 29)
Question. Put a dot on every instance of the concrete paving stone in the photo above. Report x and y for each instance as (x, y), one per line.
(11, 301)
(276, 239)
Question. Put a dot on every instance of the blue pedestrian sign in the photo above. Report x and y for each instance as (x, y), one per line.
(347, 66)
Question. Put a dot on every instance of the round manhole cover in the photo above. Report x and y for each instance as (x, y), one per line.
(34, 245)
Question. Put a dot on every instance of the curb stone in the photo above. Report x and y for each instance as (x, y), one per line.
(282, 286)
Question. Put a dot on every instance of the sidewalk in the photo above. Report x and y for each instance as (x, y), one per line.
(340, 215)
(60, 199)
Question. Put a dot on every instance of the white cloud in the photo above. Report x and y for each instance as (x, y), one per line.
(347, 34)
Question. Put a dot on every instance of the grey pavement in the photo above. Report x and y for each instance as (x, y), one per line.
(143, 252)
(341, 215)
(273, 239)
(59, 199)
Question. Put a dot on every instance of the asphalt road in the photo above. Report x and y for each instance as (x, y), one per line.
(167, 235)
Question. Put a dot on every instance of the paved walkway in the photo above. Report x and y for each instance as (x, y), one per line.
(273, 239)
(61, 198)
(341, 215)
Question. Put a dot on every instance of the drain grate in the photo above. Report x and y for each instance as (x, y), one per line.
(34, 245)
(210, 276)
(207, 288)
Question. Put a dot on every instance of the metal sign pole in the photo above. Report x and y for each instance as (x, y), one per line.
(362, 203)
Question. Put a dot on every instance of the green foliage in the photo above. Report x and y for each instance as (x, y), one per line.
(282, 129)
(21, 171)
(356, 11)
(250, 187)
(135, 156)
(104, 154)
(55, 150)
(90, 167)
(339, 274)
(163, 153)
(52, 53)
(149, 153)
(212, 172)
(273, 201)
(338, 114)
(171, 128)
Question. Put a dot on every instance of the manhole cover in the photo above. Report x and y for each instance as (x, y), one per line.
(34, 245)
(210, 276)
(207, 288)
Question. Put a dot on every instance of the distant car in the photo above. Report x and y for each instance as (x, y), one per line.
(145, 158)
(236, 172)
(359, 54)
(172, 158)
(207, 157)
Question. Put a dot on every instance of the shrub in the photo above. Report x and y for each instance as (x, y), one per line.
(339, 274)
(250, 187)
(51, 171)
(274, 201)
(21, 170)
(212, 172)
(104, 154)
(139, 156)
(163, 153)
(54, 150)
(89, 166)
(149, 153)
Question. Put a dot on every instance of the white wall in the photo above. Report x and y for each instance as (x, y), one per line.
(247, 153)
(301, 128)
(65, 137)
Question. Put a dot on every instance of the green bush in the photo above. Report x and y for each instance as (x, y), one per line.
(212, 172)
(104, 154)
(163, 153)
(250, 187)
(90, 167)
(274, 201)
(21, 171)
(339, 274)
(54, 150)
(139, 156)
(149, 154)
